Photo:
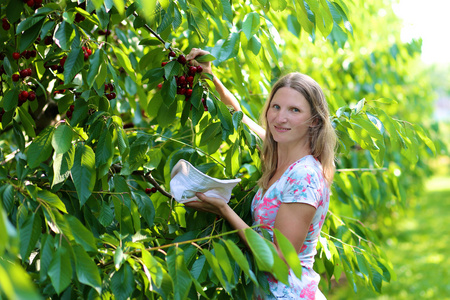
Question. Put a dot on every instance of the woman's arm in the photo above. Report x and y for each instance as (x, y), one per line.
(225, 95)
(292, 220)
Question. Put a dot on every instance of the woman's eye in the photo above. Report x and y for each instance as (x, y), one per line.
(276, 106)
(295, 109)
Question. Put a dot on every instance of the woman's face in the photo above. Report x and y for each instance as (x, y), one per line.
(288, 117)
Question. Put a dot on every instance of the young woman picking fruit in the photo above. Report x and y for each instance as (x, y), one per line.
(298, 167)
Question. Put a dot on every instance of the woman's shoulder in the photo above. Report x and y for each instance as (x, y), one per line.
(304, 166)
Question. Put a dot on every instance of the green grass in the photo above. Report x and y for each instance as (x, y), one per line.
(420, 251)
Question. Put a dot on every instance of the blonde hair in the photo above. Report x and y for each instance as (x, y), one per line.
(322, 135)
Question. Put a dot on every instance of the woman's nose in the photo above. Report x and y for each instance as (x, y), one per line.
(281, 117)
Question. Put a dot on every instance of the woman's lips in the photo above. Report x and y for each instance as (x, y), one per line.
(281, 129)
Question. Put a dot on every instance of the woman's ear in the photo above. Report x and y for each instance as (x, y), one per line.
(315, 122)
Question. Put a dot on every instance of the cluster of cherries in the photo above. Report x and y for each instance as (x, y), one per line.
(25, 54)
(22, 74)
(185, 82)
(111, 95)
(151, 190)
(35, 4)
(24, 96)
(5, 24)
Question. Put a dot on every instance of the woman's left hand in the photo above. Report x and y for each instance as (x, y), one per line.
(208, 204)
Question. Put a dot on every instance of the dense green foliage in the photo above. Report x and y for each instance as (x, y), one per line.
(79, 162)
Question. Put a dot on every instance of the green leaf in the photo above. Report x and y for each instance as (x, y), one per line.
(62, 139)
(251, 24)
(30, 35)
(64, 35)
(198, 22)
(106, 215)
(124, 62)
(227, 49)
(224, 116)
(224, 261)
(83, 172)
(153, 268)
(205, 58)
(240, 259)
(62, 164)
(74, 63)
(122, 141)
(105, 149)
(86, 269)
(145, 205)
(29, 232)
(94, 66)
(237, 119)
(51, 199)
(41, 147)
(167, 115)
(155, 75)
(215, 266)
(278, 5)
(178, 271)
(210, 131)
(289, 253)
(82, 236)
(60, 270)
(10, 99)
(260, 250)
(168, 93)
(27, 122)
(122, 282)
(28, 23)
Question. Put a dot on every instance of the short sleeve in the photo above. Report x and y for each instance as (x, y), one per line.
(302, 185)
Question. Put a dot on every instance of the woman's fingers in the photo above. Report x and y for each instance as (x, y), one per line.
(195, 52)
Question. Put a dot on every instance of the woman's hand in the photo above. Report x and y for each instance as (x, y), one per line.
(197, 52)
(208, 204)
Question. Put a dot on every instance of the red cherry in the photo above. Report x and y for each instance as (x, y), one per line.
(86, 56)
(31, 96)
(113, 95)
(89, 51)
(48, 40)
(188, 92)
(182, 59)
(33, 53)
(6, 26)
(154, 190)
(30, 3)
(23, 73)
(108, 96)
(159, 85)
(16, 55)
(163, 63)
(69, 114)
(111, 86)
(72, 107)
(181, 80)
(15, 77)
(106, 87)
(148, 190)
(172, 54)
(192, 70)
(199, 69)
(101, 32)
(24, 94)
(181, 91)
(190, 79)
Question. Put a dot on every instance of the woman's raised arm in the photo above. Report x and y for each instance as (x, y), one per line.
(225, 95)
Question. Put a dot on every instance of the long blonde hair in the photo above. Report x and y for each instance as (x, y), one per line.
(322, 135)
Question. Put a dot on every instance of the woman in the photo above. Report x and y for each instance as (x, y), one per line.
(298, 168)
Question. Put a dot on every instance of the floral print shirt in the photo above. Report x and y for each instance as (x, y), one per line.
(302, 182)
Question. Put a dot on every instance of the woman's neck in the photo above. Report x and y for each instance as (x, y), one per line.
(287, 155)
